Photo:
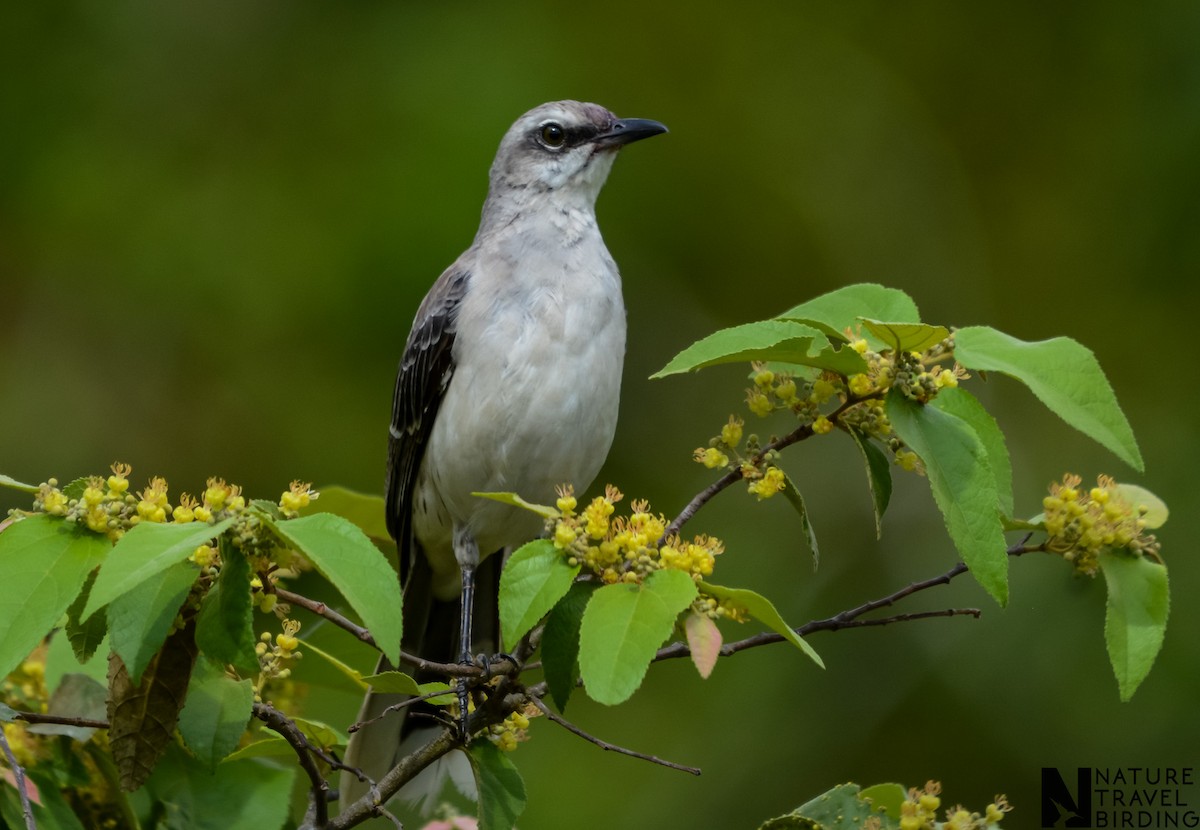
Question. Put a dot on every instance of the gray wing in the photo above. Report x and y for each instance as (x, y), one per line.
(424, 375)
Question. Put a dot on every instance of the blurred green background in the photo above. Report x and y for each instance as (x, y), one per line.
(217, 219)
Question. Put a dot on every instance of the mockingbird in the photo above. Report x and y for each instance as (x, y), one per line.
(509, 382)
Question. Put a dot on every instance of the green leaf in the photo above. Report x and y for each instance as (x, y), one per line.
(796, 499)
(450, 697)
(270, 747)
(513, 500)
(50, 808)
(764, 611)
(45, 561)
(704, 642)
(962, 404)
(906, 337)
(347, 558)
(1156, 513)
(886, 797)
(9, 481)
(534, 579)
(239, 795)
(224, 626)
(841, 808)
(366, 511)
(501, 790)
(145, 550)
(784, 340)
(392, 682)
(1136, 618)
(622, 628)
(215, 715)
(560, 642)
(1063, 374)
(844, 307)
(879, 475)
(141, 619)
(963, 486)
(74, 489)
(319, 733)
(85, 636)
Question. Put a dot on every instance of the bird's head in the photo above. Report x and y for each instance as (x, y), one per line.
(564, 146)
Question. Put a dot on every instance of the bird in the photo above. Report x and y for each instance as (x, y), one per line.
(509, 382)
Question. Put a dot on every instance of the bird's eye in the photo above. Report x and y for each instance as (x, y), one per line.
(553, 135)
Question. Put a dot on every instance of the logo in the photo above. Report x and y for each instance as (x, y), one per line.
(1118, 797)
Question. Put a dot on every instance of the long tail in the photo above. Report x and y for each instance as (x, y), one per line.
(431, 631)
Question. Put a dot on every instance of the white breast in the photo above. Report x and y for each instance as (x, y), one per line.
(534, 396)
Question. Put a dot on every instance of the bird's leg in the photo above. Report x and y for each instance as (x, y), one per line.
(466, 551)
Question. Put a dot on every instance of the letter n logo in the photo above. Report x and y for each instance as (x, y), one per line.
(1059, 809)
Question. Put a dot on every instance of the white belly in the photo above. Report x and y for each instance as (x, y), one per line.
(532, 404)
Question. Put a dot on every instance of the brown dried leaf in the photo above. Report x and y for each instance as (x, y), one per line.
(142, 718)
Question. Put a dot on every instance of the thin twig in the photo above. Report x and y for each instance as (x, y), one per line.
(38, 717)
(605, 745)
(21, 782)
(323, 610)
(733, 476)
(291, 733)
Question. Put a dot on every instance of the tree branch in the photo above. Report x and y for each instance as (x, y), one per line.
(21, 782)
(605, 745)
(287, 729)
(37, 717)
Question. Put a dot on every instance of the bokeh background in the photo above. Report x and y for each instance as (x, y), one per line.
(217, 219)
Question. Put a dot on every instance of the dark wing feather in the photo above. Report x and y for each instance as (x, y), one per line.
(424, 374)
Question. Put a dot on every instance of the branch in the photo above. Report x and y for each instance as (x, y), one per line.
(287, 729)
(605, 745)
(64, 720)
(21, 782)
(733, 476)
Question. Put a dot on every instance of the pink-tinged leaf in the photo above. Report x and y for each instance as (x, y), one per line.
(31, 789)
(704, 641)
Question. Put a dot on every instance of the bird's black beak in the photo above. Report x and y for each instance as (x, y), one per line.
(627, 131)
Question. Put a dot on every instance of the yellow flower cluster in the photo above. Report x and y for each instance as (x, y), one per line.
(296, 498)
(1079, 524)
(919, 812)
(625, 548)
(512, 730)
(275, 655)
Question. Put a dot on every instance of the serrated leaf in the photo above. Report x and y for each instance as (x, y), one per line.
(348, 559)
(622, 628)
(215, 715)
(962, 404)
(704, 642)
(224, 626)
(392, 682)
(450, 697)
(142, 716)
(842, 308)
(240, 795)
(764, 611)
(513, 500)
(784, 340)
(840, 808)
(1136, 618)
(879, 475)
(963, 485)
(534, 579)
(906, 337)
(501, 790)
(145, 550)
(85, 636)
(140, 619)
(271, 747)
(796, 499)
(9, 481)
(560, 642)
(1156, 512)
(44, 561)
(74, 489)
(366, 511)
(1063, 374)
